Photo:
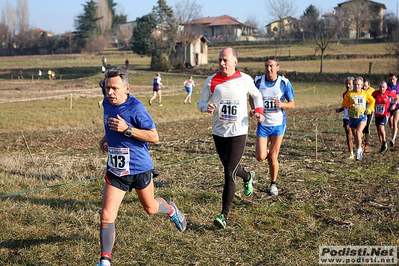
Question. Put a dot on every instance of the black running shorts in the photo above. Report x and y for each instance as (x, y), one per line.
(128, 182)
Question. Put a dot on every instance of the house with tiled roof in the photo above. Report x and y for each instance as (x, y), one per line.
(223, 28)
(196, 53)
(360, 18)
(285, 27)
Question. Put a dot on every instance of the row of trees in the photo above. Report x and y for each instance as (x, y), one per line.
(156, 33)
(313, 26)
(94, 26)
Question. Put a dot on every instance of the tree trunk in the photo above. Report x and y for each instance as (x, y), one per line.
(321, 61)
(184, 54)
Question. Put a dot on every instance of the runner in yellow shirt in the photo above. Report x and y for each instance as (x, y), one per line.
(356, 102)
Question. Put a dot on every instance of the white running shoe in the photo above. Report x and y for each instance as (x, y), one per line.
(104, 263)
(273, 189)
(359, 154)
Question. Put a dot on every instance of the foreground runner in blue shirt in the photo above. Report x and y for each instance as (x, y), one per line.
(128, 129)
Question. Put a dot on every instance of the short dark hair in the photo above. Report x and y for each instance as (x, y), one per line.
(118, 72)
(393, 75)
(274, 58)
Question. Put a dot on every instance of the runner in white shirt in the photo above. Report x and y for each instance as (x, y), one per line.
(189, 85)
(225, 95)
(274, 89)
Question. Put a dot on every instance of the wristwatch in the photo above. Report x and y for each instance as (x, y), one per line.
(128, 132)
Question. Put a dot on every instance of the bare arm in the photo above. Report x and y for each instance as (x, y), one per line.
(285, 105)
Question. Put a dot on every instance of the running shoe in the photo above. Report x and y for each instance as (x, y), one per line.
(178, 218)
(351, 157)
(367, 148)
(248, 186)
(184, 102)
(359, 155)
(273, 190)
(220, 221)
(149, 102)
(160, 104)
(384, 146)
(392, 142)
(104, 263)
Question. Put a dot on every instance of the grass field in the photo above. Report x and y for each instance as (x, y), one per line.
(328, 201)
(51, 185)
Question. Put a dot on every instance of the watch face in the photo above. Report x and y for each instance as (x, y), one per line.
(128, 132)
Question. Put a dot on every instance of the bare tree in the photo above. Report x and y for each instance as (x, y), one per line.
(323, 31)
(252, 20)
(8, 28)
(187, 11)
(103, 12)
(23, 15)
(10, 20)
(279, 10)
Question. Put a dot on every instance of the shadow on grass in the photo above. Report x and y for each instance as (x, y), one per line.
(38, 176)
(26, 243)
(56, 203)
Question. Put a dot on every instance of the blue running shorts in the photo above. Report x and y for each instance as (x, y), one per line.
(354, 121)
(266, 132)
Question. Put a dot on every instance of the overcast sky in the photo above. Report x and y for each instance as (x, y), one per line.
(59, 16)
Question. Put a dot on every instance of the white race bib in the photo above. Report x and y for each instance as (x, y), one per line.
(358, 101)
(380, 109)
(118, 161)
(229, 110)
(270, 105)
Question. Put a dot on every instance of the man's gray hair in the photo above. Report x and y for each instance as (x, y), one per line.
(118, 72)
(381, 83)
(349, 78)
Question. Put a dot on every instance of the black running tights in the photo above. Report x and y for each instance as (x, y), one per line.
(231, 150)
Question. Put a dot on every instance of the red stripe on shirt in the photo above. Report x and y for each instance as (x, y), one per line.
(219, 78)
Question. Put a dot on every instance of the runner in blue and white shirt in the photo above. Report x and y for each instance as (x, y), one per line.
(275, 89)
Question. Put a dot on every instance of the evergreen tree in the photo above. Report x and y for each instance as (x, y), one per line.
(308, 19)
(166, 37)
(85, 24)
(142, 41)
(168, 26)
